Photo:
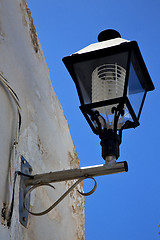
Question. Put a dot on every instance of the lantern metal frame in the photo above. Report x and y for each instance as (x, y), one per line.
(133, 54)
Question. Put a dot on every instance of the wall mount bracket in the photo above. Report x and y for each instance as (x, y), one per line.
(26, 169)
(30, 182)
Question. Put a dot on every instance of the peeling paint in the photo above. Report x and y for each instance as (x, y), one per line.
(77, 201)
(73, 159)
(3, 214)
(33, 34)
(77, 206)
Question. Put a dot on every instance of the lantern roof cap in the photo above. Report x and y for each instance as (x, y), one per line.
(102, 45)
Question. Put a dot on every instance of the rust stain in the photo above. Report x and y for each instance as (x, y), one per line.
(28, 20)
(41, 148)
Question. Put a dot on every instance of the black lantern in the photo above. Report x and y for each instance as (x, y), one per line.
(112, 81)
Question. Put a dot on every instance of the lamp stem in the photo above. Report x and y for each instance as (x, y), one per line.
(110, 160)
(110, 141)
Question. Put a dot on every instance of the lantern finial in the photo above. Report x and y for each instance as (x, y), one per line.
(108, 34)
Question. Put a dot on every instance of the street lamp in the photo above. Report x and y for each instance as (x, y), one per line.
(112, 81)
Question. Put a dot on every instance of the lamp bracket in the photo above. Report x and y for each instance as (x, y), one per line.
(30, 182)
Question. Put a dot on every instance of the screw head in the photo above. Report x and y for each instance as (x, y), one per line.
(23, 160)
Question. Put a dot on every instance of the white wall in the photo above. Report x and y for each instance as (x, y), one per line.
(44, 138)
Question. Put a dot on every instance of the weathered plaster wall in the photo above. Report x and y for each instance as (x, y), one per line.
(44, 138)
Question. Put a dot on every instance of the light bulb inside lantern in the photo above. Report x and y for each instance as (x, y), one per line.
(107, 83)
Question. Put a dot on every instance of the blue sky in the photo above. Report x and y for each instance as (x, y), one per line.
(127, 205)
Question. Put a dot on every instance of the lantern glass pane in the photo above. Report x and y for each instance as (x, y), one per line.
(100, 79)
(107, 119)
(135, 90)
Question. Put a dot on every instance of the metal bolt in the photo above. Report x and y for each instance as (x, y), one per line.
(24, 219)
(23, 160)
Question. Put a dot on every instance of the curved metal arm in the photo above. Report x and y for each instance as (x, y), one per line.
(30, 182)
(60, 199)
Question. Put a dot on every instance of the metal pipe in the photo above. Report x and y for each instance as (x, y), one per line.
(76, 173)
